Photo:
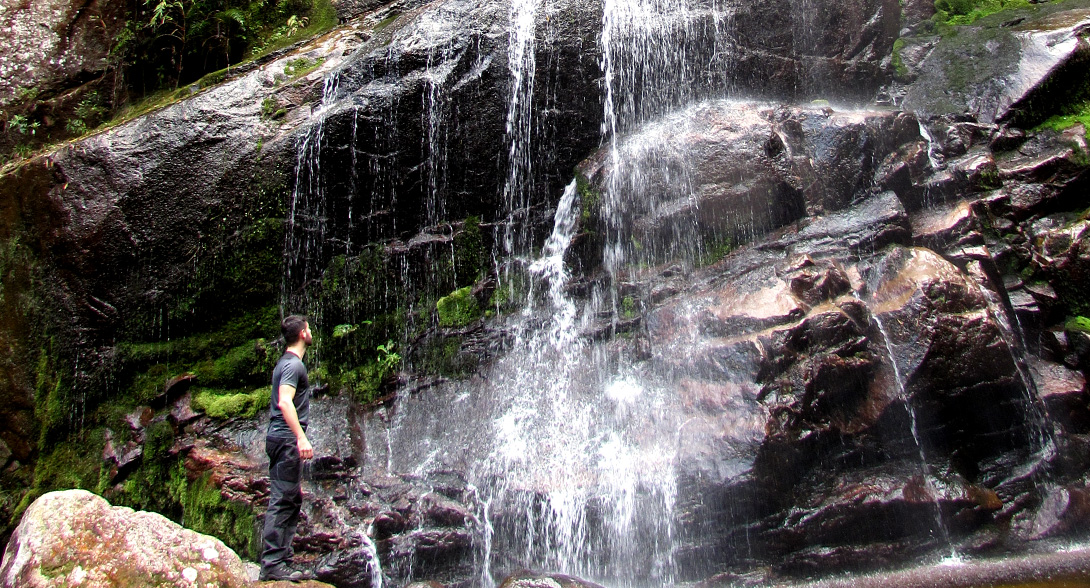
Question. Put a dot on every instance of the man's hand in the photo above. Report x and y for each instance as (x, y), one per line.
(305, 449)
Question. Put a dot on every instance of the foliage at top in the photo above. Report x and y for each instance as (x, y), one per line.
(964, 12)
(161, 46)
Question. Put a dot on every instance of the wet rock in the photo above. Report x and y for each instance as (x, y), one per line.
(182, 413)
(725, 181)
(1049, 158)
(388, 524)
(174, 389)
(945, 228)
(534, 580)
(840, 521)
(446, 512)
(121, 461)
(1065, 510)
(79, 539)
(1064, 393)
(1012, 67)
(839, 52)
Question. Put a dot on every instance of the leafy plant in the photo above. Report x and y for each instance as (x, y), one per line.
(76, 126)
(342, 330)
(388, 359)
(26, 94)
(295, 24)
(22, 124)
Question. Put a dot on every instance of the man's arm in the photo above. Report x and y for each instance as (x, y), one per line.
(287, 407)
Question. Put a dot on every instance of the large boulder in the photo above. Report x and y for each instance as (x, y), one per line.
(75, 538)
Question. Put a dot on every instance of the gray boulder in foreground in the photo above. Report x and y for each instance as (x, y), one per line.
(76, 538)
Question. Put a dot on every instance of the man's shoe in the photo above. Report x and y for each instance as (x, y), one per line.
(282, 571)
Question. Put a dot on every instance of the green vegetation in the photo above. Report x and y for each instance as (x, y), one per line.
(1079, 324)
(899, 68)
(1077, 115)
(297, 68)
(219, 404)
(590, 201)
(470, 255)
(714, 250)
(964, 12)
(628, 308)
(270, 109)
(457, 309)
(207, 511)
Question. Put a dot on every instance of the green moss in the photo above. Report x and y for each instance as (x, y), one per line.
(159, 484)
(53, 404)
(207, 511)
(297, 68)
(443, 355)
(590, 201)
(221, 404)
(212, 79)
(386, 22)
(66, 465)
(899, 68)
(628, 308)
(1079, 324)
(715, 249)
(457, 309)
(1061, 122)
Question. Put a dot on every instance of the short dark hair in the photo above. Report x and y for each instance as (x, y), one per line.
(291, 327)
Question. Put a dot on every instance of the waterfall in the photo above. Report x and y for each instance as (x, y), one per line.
(522, 64)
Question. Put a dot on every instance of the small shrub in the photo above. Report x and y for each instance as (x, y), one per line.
(268, 108)
(76, 126)
(26, 94)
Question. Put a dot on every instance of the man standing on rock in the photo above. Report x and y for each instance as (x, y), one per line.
(287, 445)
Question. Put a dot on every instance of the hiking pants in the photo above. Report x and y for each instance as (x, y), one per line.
(285, 500)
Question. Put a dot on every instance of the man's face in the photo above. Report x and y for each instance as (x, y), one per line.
(305, 334)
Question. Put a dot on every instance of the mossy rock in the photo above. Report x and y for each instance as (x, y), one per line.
(457, 309)
(220, 404)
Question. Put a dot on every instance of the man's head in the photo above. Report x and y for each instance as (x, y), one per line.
(295, 328)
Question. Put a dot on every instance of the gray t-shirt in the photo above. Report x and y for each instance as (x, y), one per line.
(289, 371)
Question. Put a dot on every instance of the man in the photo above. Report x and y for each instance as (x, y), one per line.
(287, 445)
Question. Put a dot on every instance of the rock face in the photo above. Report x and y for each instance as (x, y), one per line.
(74, 538)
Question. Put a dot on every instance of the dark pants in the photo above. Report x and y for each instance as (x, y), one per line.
(285, 500)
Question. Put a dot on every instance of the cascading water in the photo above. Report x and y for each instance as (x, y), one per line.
(522, 64)
(925, 470)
